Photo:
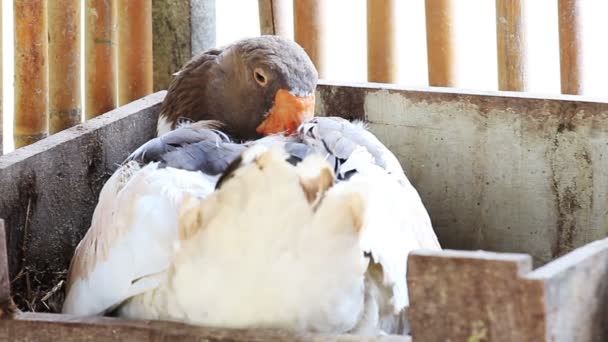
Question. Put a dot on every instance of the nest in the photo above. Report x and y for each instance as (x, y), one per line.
(39, 291)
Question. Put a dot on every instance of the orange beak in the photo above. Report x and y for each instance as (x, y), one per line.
(287, 113)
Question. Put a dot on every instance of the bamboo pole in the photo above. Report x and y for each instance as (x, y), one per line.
(100, 57)
(381, 41)
(309, 24)
(510, 39)
(570, 49)
(135, 70)
(31, 71)
(64, 64)
(440, 42)
(274, 17)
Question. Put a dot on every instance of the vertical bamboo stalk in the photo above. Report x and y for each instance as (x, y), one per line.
(309, 24)
(64, 64)
(510, 41)
(274, 17)
(31, 71)
(100, 54)
(570, 49)
(381, 41)
(135, 70)
(440, 42)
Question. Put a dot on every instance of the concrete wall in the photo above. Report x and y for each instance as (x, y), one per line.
(496, 172)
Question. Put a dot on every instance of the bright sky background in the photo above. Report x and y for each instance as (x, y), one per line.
(475, 34)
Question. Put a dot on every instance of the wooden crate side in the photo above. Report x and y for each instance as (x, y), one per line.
(49, 190)
(38, 327)
(497, 171)
(474, 296)
(576, 286)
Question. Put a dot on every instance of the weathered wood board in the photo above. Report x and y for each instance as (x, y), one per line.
(500, 172)
(477, 296)
(49, 189)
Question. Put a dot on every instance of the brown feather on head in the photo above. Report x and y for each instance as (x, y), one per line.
(256, 86)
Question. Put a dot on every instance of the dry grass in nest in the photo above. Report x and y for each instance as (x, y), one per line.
(37, 291)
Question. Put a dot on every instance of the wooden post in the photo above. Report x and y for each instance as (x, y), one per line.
(135, 69)
(570, 49)
(309, 23)
(510, 39)
(172, 44)
(274, 18)
(31, 71)
(382, 62)
(64, 64)
(100, 57)
(440, 42)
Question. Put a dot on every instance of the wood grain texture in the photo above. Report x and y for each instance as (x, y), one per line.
(31, 121)
(310, 26)
(510, 40)
(382, 63)
(64, 64)
(100, 57)
(36, 327)
(570, 46)
(135, 64)
(440, 42)
(474, 296)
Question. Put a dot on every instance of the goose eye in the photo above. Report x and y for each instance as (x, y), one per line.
(260, 77)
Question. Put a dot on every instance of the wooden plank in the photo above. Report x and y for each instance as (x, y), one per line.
(440, 42)
(135, 65)
(64, 64)
(474, 296)
(576, 286)
(309, 24)
(100, 59)
(49, 191)
(504, 172)
(31, 120)
(28, 327)
(172, 41)
(382, 64)
(275, 18)
(570, 49)
(510, 39)
(6, 303)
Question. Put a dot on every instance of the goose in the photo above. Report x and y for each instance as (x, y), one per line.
(144, 255)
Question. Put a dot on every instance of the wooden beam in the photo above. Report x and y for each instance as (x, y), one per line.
(382, 64)
(64, 64)
(510, 39)
(474, 296)
(34, 327)
(100, 57)
(274, 17)
(309, 23)
(135, 68)
(440, 42)
(172, 44)
(570, 46)
(31, 120)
